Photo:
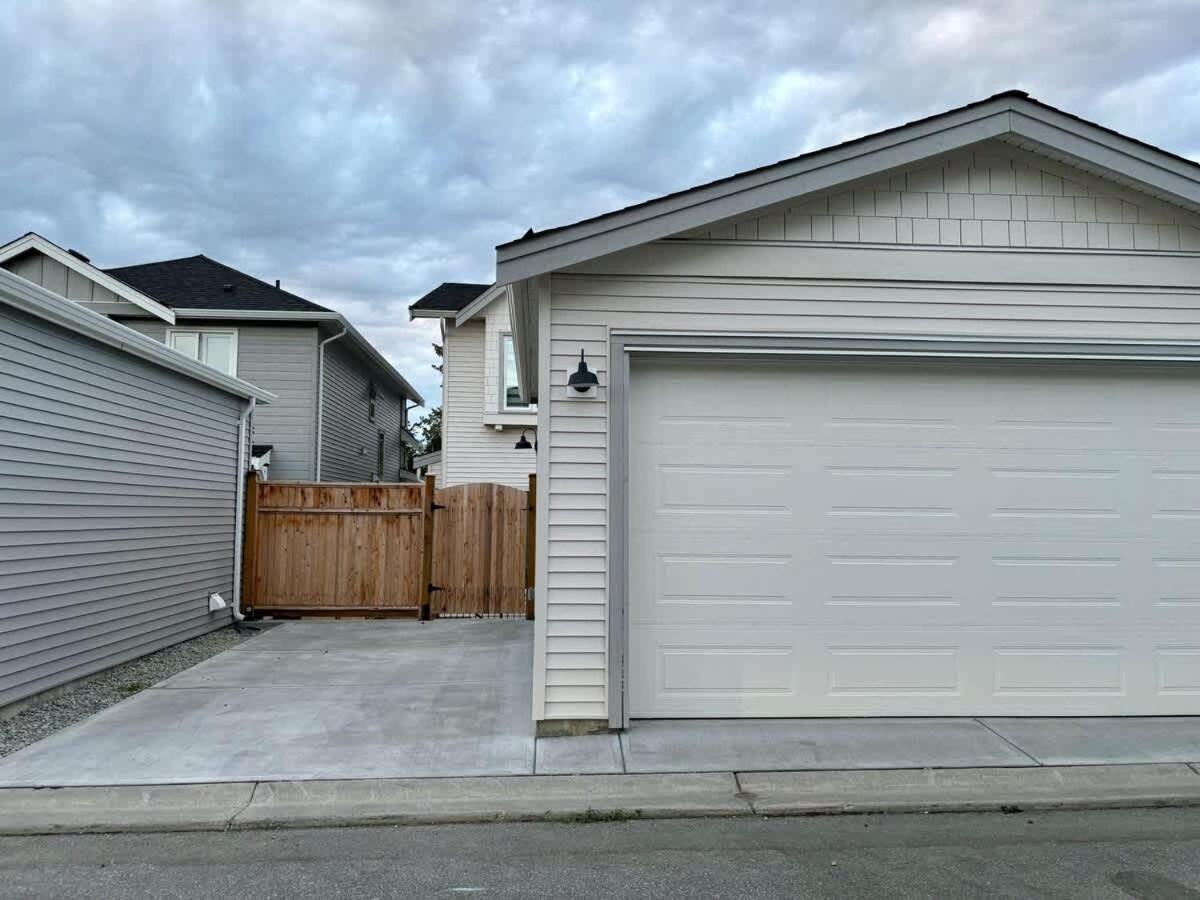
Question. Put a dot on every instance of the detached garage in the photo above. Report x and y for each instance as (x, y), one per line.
(909, 426)
(120, 486)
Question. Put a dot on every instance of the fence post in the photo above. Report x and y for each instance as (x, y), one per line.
(427, 505)
(250, 542)
(530, 545)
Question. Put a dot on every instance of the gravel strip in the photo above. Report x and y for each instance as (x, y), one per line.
(109, 687)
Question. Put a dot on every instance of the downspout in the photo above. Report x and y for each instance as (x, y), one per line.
(321, 392)
(240, 516)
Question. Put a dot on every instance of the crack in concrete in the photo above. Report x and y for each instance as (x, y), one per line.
(249, 800)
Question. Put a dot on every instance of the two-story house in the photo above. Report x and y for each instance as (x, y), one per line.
(341, 411)
(488, 432)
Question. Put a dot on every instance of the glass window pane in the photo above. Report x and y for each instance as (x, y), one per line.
(187, 343)
(512, 396)
(218, 352)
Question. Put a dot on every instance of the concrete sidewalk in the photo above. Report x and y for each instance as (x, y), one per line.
(245, 805)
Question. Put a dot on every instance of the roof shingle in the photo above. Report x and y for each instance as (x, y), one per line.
(197, 282)
(451, 296)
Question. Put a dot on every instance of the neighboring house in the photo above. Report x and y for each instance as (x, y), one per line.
(342, 411)
(120, 486)
(483, 415)
(903, 427)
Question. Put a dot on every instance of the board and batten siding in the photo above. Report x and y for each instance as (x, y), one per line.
(749, 287)
(37, 267)
(472, 449)
(117, 506)
(349, 446)
(281, 359)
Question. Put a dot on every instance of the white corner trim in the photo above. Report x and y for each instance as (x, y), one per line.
(36, 242)
(468, 312)
(50, 307)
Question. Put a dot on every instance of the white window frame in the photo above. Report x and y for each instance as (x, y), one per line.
(504, 406)
(230, 332)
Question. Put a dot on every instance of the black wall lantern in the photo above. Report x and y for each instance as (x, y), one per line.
(523, 443)
(582, 379)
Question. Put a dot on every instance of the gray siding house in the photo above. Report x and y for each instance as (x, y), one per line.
(120, 486)
(341, 411)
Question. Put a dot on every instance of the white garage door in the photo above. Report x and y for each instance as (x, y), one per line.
(843, 540)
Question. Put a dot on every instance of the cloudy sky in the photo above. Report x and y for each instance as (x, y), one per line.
(366, 150)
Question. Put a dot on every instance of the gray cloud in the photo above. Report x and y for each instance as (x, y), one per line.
(366, 151)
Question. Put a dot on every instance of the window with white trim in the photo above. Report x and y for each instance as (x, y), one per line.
(216, 347)
(510, 394)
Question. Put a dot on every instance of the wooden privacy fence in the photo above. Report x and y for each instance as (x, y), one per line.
(388, 549)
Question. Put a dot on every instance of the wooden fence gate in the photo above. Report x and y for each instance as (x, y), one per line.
(322, 549)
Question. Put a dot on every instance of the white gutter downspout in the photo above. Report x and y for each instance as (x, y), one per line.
(321, 392)
(240, 517)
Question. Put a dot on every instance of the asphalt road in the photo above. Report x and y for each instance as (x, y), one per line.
(1136, 853)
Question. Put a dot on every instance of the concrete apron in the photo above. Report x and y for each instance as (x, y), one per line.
(327, 702)
(220, 807)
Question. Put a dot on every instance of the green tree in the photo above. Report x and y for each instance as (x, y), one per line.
(428, 430)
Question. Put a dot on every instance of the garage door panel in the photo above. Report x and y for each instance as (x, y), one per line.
(941, 490)
(1020, 671)
(716, 575)
(812, 540)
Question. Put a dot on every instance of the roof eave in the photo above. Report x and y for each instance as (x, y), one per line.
(414, 313)
(495, 292)
(315, 316)
(49, 306)
(34, 241)
(1007, 114)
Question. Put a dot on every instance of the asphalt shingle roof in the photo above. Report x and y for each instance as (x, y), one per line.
(450, 296)
(197, 282)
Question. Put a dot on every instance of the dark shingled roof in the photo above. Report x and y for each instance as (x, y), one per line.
(450, 297)
(197, 282)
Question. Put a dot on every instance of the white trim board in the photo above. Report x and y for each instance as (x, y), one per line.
(480, 303)
(1010, 116)
(50, 307)
(36, 242)
(622, 347)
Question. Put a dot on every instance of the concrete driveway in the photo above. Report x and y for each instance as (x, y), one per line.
(314, 699)
(329, 700)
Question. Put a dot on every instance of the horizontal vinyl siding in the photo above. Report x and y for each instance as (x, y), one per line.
(585, 307)
(349, 443)
(117, 506)
(471, 450)
(281, 359)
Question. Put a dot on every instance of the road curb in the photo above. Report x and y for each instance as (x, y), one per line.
(590, 798)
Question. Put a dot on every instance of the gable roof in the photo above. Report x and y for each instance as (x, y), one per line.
(194, 287)
(32, 241)
(197, 282)
(1011, 116)
(446, 300)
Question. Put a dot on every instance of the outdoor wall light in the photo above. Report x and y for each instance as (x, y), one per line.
(582, 379)
(523, 443)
